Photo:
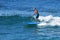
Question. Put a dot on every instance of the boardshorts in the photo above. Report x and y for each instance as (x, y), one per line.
(36, 15)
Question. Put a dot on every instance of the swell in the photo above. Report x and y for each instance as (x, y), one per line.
(9, 20)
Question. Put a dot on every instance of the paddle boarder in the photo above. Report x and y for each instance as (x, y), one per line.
(36, 14)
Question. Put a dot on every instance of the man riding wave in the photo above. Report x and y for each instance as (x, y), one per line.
(36, 14)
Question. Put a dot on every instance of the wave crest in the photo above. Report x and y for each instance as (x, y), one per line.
(49, 21)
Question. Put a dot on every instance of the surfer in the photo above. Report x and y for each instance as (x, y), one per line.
(36, 14)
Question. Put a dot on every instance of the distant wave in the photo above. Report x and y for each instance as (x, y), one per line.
(23, 13)
(14, 12)
(49, 21)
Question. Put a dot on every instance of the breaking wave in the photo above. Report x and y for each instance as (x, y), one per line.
(49, 21)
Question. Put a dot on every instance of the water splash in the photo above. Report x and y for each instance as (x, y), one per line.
(49, 21)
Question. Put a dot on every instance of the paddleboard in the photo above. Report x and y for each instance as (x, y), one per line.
(33, 22)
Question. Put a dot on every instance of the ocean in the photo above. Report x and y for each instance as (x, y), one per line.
(15, 16)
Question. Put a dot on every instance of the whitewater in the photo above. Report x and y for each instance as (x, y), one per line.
(49, 20)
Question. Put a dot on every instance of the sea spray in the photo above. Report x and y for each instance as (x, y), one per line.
(49, 21)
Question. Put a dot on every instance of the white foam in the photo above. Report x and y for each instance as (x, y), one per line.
(49, 21)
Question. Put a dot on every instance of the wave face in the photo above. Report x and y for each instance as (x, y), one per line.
(16, 19)
(49, 21)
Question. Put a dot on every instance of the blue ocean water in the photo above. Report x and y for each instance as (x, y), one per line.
(15, 15)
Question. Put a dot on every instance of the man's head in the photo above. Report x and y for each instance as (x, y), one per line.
(34, 8)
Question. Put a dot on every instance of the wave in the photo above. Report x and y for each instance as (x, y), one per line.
(10, 20)
(14, 12)
(23, 13)
(49, 21)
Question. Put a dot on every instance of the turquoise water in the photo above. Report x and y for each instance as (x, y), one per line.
(15, 16)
